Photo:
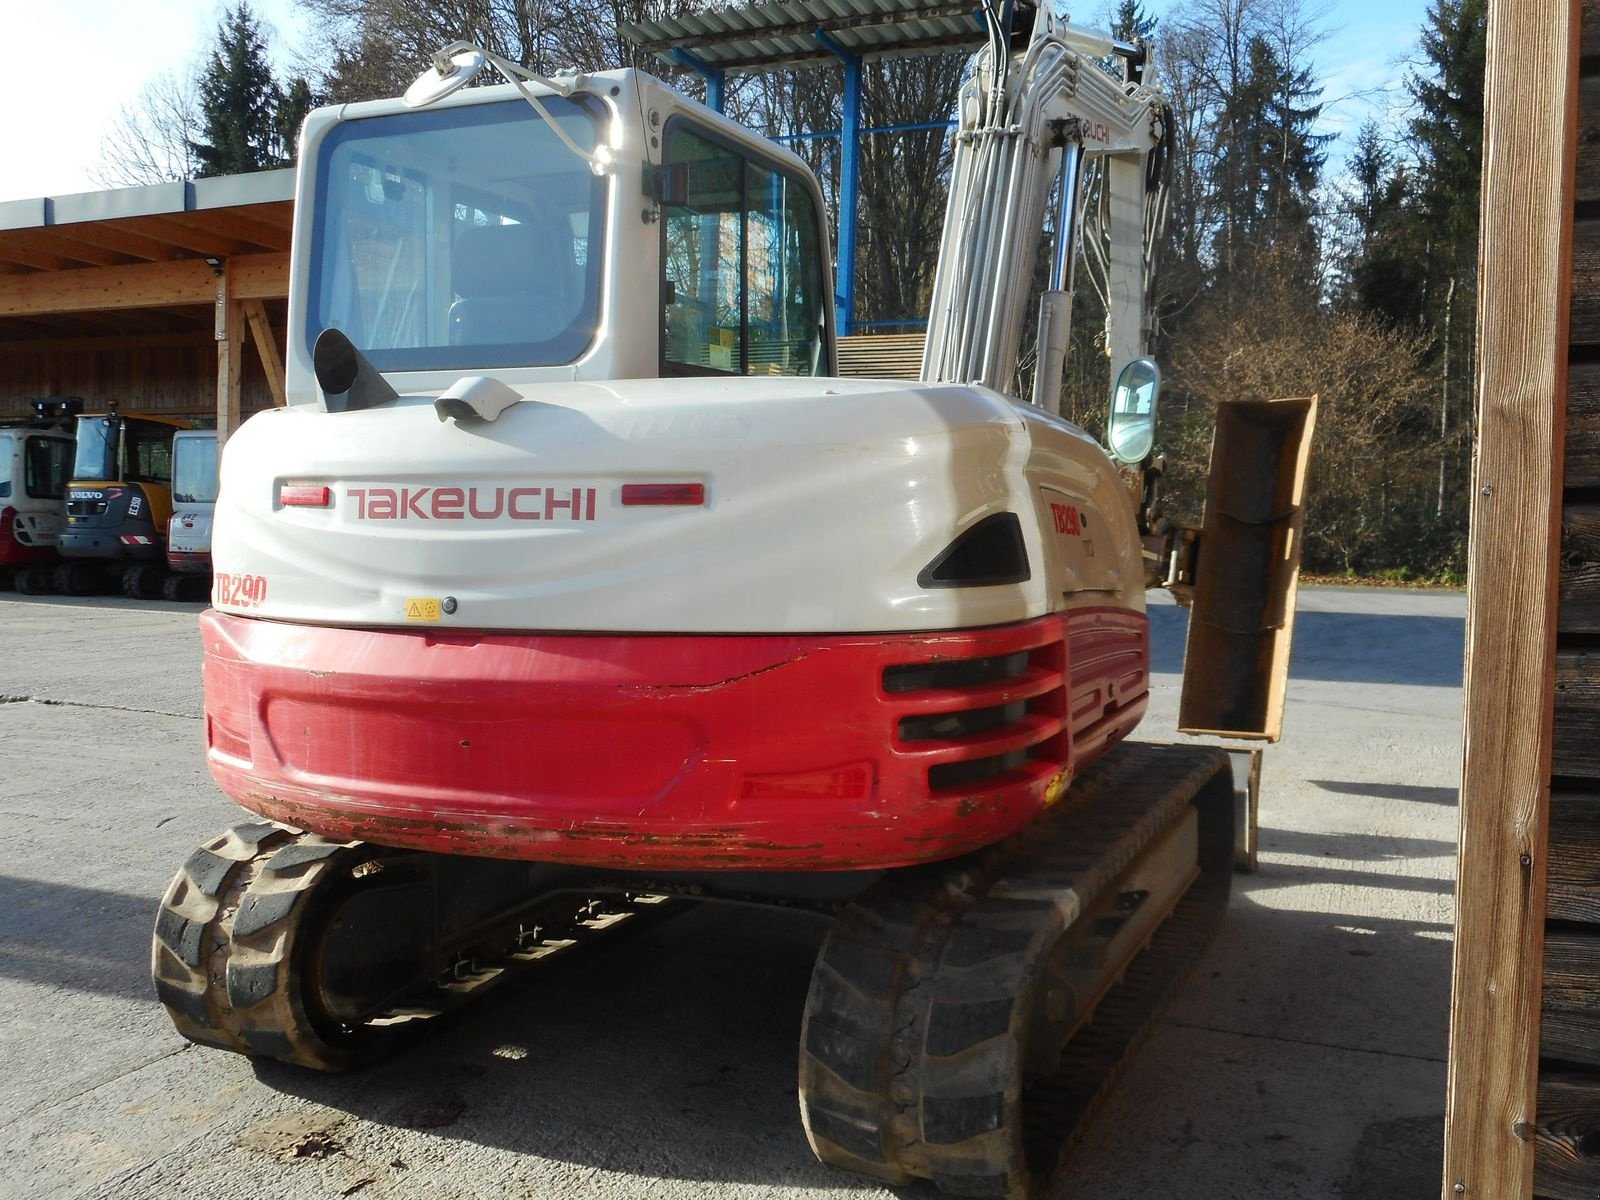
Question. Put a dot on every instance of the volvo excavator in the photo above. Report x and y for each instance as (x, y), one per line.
(119, 501)
(571, 584)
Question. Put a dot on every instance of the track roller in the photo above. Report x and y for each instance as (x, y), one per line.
(947, 1032)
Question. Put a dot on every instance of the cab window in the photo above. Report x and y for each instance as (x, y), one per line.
(742, 265)
(46, 462)
(148, 447)
(458, 238)
(194, 477)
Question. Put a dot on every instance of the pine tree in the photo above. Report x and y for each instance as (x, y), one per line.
(239, 101)
(1422, 263)
(1371, 169)
(1449, 134)
(1448, 128)
(1385, 268)
(294, 103)
(1292, 155)
(1130, 24)
(1268, 166)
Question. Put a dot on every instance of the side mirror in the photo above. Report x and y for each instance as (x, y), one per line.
(453, 68)
(1131, 431)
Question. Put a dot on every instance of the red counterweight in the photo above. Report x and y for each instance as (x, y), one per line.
(669, 752)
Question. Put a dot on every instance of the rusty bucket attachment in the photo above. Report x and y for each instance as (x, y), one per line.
(1236, 666)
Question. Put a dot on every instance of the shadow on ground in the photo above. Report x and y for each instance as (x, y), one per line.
(672, 1055)
(58, 935)
(1390, 791)
(1357, 847)
(687, 1038)
(1337, 647)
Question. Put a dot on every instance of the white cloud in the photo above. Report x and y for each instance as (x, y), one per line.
(71, 65)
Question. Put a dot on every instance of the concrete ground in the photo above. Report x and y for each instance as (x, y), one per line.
(1305, 1057)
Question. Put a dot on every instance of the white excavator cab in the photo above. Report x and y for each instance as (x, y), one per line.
(486, 235)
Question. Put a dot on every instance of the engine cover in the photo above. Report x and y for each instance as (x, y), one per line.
(824, 506)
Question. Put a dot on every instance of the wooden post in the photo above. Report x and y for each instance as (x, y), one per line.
(267, 347)
(1524, 266)
(230, 351)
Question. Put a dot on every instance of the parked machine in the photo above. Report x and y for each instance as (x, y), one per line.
(34, 459)
(118, 503)
(569, 584)
(194, 500)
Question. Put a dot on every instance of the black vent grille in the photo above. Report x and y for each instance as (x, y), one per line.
(980, 721)
(944, 726)
(956, 673)
(992, 552)
(975, 770)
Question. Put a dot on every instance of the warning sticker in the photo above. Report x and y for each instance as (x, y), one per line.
(423, 608)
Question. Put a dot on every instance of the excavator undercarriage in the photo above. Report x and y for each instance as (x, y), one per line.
(964, 1017)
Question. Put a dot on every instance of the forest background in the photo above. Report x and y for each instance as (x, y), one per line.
(1273, 278)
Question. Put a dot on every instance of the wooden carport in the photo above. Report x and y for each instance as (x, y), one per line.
(147, 296)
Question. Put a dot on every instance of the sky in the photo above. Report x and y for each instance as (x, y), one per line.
(71, 65)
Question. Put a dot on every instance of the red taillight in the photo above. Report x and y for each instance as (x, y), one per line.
(306, 497)
(663, 493)
(830, 783)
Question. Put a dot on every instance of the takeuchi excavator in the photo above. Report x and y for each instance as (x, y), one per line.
(35, 455)
(571, 584)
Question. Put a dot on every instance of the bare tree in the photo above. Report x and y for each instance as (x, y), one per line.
(151, 139)
(1370, 498)
(585, 33)
(905, 180)
(378, 46)
(904, 175)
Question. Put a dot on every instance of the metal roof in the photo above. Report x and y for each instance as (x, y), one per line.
(75, 242)
(152, 200)
(784, 32)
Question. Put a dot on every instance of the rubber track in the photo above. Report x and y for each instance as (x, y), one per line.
(186, 588)
(230, 953)
(35, 581)
(142, 582)
(915, 1051)
(194, 926)
(85, 577)
(265, 993)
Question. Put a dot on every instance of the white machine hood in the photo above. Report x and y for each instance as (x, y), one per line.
(823, 502)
